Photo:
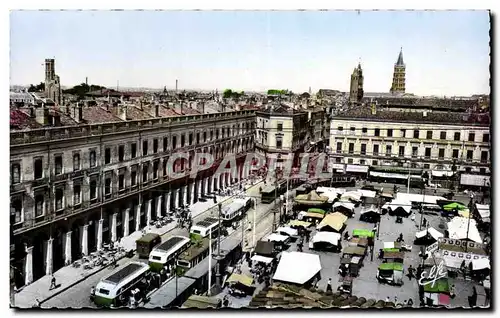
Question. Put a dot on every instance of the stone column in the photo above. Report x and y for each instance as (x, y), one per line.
(205, 185)
(113, 227)
(48, 257)
(191, 193)
(148, 211)
(158, 206)
(175, 197)
(126, 222)
(67, 248)
(138, 217)
(99, 234)
(85, 239)
(28, 266)
(184, 195)
(167, 202)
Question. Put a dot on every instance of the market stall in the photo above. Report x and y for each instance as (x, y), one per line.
(298, 268)
(240, 285)
(334, 222)
(326, 241)
(370, 215)
(464, 228)
(346, 208)
(427, 236)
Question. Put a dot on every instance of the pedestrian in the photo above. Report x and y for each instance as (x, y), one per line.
(329, 285)
(387, 299)
(452, 291)
(395, 299)
(52, 282)
(410, 272)
(410, 302)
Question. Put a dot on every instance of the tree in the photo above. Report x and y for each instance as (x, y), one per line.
(38, 88)
(227, 93)
(82, 89)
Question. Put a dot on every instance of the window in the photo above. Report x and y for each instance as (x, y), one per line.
(416, 134)
(427, 153)
(133, 150)
(482, 170)
(76, 162)
(145, 172)
(339, 147)
(38, 168)
(351, 147)
(401, 151)
(165, 144)
(340, 128)
(58, 165)
(414, 152)
(15, 173)
(484, 156)
(375, 150)
(16, 211)
(429, 134)
(107, 186)
(77, 191)
(133, 177)
(364, 130)
(155, 169)
(403, 133)
(204, 136)
(145, 148)
(363, 149)
(442, 135)
(155, 145)
(211, 134)
(280, 126)
(39, 205)
(389, 132)
(486, 138)
(190, 139)
(107, 156)
(217, 134)
(338, 160)
(121, 181)
(350, 161)
(174, 142)
(375, 162)
(353, 129)
(377, 132)
(92, 158)
(121, 153)
(362, 161)
(472, 136)
(279, 142)
(93, 189)
(455, 154)
(468, 169)
(59, 199)
(197, 138)
(388, 150)
(470, 154)
(441, 153)
(456, 136)
(427, 166)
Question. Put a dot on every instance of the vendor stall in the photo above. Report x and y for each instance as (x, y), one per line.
(326, 241)
(265, 249)
(240, 285)
(346, 208)
(427, 236)
(370, 215)
(334, 222)
(297, 268)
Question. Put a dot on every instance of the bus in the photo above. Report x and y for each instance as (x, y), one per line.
(202, 229)
(194, 254)
(269, 193)
(236, 210)
(166, 253)
(115, 289)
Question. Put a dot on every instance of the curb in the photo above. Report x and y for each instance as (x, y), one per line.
(102, 268)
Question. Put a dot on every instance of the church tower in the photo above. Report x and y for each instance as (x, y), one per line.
(356, 91)
(399, 76)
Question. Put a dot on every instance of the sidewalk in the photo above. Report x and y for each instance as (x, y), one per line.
(69, 276)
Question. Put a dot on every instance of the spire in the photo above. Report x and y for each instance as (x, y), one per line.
(400, 58)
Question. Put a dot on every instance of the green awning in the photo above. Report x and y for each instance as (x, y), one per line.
(316, 210)
(391, 250)
(440, 286)
(391, 266)
(454, 205)
(363, 233)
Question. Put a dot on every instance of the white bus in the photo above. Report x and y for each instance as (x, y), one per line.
(115, 288)
(236, 210)
(203, 228)
(166, 253)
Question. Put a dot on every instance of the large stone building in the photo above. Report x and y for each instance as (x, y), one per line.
(399, 76)
(433, 141)
(356, 91)
(52, 82)
(99, 176)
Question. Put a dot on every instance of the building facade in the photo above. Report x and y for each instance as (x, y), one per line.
(428, 141)
(399, 76)
(75, 188)
(356, 91)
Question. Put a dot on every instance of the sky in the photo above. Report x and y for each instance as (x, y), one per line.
(445, 52)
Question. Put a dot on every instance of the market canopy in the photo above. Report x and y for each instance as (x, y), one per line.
(314, 215)
(371, 209)
(391, 266)
(335, 221)
(462, 228)
(363, 233)
(435, 234)
(347, 205)
(440, 286)
(264, 248)
(297, 267)
(454, 205)
(395, 204)
(351, 195)
(483, 210)
(287, 230)
(367, 193)
(328, 237)
(242, 279)
(330, 190)
(311, 199)
(354, 250)
(277, 238)
(482, 263)
(316, 210)
(299, 223)
(261, 259)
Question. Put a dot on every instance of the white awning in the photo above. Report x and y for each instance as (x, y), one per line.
(406, 205)
(432, 232)
(330, 237)
(441, 173)
(353, 195)
(356, 168)
(297, 267)
(414, 197)
(475, 180)
(388, 244)
(277, 238)
(367, 193)
(483, 210)
(462, 228)
(371, 209)
(261, 259)
(481, 263)
(287, 230)
(389, 175)
(338, 166)
(347, 205)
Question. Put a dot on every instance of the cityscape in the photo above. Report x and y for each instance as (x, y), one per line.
(173, 164)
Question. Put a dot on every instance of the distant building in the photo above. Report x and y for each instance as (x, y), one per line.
(24, 98)
(398, 80)
(52, 82)
(356, 91)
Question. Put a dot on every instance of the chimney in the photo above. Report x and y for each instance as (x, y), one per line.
(157, 110)
(374, 109)
(42, 116)
(79, 114)
(123, 112)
